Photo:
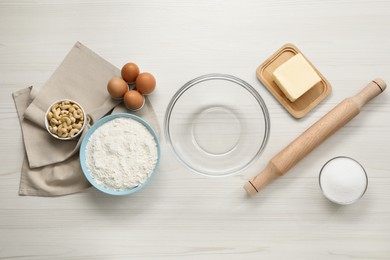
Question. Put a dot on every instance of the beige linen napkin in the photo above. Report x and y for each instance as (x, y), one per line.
(82, 77)
(52, 166)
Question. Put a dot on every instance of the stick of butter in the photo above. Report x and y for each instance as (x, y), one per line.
(295, 77)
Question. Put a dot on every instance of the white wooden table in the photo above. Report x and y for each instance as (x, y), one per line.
(181, 214)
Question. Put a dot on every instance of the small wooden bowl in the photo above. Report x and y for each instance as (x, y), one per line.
(300, 107)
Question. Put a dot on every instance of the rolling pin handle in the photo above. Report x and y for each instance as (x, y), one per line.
(381, 84)
(270, 173)
(373, 89)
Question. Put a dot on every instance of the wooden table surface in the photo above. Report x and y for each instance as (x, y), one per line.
(182, 214)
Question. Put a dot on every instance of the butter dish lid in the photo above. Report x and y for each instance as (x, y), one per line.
(304, 104)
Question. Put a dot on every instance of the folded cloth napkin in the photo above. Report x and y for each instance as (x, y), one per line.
(52, 166)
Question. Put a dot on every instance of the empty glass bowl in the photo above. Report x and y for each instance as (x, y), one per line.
(217, 125)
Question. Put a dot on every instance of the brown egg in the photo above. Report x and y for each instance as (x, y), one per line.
(117, 87)
(145, 83)
(130, 72)
(133, 100)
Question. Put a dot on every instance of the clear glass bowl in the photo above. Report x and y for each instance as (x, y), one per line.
(343, 180)
(217, 125)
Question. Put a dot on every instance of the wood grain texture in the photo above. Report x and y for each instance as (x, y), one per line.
(180, 214)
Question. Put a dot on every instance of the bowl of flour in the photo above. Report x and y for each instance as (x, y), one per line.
(120, 154)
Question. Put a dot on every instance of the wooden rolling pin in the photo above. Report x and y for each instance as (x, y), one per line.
(314, 136)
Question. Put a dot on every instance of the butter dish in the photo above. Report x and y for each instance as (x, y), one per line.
(305, 103)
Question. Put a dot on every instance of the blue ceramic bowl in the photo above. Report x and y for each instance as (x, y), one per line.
(83, 149)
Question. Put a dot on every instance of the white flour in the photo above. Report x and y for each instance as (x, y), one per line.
(121, 154)
(343, 180)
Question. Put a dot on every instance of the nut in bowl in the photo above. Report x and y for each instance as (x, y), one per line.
(65, 119)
